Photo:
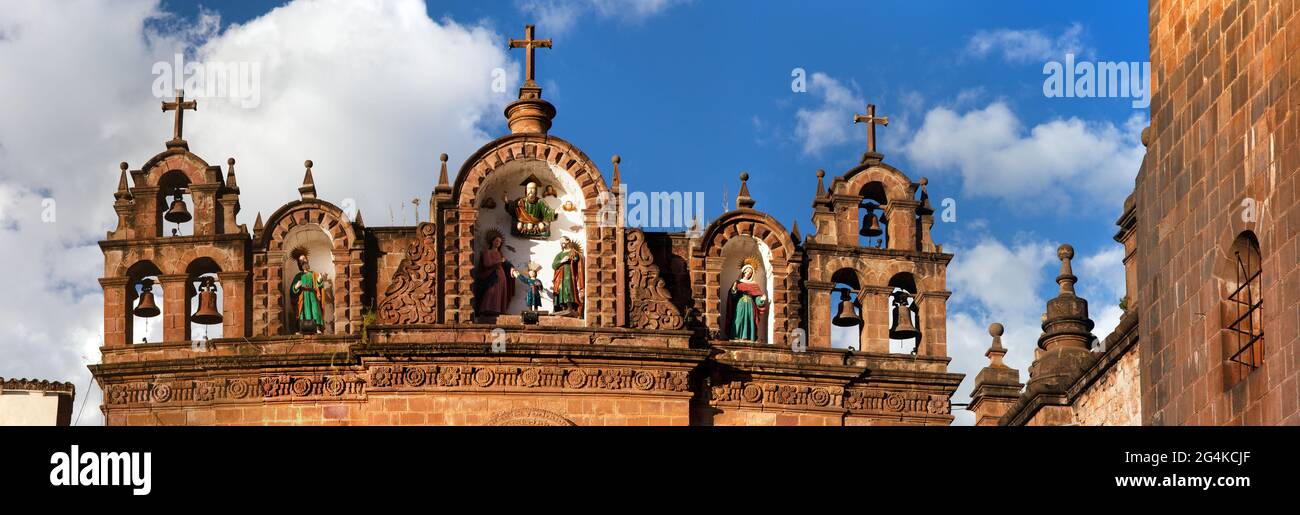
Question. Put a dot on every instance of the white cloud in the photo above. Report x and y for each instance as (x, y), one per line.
(1046, 165)
(558, 17)
(359, 87)
(831, 121)
(1023, 46)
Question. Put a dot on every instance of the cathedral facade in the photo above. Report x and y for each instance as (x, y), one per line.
(525, 300)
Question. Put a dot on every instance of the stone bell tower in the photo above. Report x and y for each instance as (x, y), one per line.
(900, 279)
(174, 243)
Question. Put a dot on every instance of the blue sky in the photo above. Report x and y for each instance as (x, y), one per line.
(689, 94)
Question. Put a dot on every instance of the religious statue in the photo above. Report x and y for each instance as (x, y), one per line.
(492, 286)
(567, 281)
(533, 293)
(308, 289)
(747, 303)
(531, 214)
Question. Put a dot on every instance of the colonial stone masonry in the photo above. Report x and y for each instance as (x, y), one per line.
(324, 320)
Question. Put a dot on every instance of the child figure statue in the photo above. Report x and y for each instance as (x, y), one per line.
(533, 287)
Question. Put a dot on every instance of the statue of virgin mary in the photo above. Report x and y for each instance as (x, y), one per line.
(747, 303)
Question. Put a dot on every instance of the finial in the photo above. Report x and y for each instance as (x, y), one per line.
(257, 225)
(123, 192)
(794, 232)
(618, 177)
(178, 125)
(529, 114)
(996, 351)
(443, 183)
(308, 188)
(359, 220)
(743, 200)
(925, 208)
(821, 186)
(230, 174)
(1067, 279)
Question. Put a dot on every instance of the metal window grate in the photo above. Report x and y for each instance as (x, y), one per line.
(1248, 325)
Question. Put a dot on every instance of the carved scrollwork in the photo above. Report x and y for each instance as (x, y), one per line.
(650, 303)
(411, 296)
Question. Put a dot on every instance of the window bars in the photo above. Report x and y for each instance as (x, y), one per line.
(1246, 303)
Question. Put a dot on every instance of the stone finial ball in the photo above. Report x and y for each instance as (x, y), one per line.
(307, 163)
(995, 329)
(616, 159)
(230, 161)
(821, 173)
(1065, 251)
(1146, 136)
(744, 176)
(442, 157)
(122, 165)
(924, 181)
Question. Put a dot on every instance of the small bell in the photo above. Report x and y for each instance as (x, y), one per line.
(903, 328)
(870, 224)
(207, 313)
(178, 213)
(847, 316)
(146, 308)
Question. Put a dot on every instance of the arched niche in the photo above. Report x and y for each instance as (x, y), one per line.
(318, 246)
(735, 253)
(508, 180)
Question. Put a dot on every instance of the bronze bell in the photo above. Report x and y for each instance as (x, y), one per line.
(178, 213)
(207, 313)
(903, 328)
(146, 308)
(847, 316)
(870, 224)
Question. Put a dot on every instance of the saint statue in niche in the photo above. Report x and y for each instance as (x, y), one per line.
(530, 213)
(308, 289)
(492, 286)
(748, 303)
(567, 278)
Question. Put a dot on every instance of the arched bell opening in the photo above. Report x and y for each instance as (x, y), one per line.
(144, 304)
(206, 304)
(904, 315)
(872, 227)
(846, 311)
(175, 205)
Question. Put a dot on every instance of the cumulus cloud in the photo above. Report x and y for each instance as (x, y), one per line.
(992, 281)
(1046, 165)
(830, 122)
(558, 17)
(362, 88)
(1028, 45)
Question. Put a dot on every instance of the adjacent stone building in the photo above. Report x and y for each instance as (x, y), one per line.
(406, 335)
(1211, 335)
(32, 402)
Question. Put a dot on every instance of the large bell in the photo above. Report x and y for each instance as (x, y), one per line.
(870, 224)
(846, 316)
(178, 213)
(207, 313)
(903, 328)
(146, 308)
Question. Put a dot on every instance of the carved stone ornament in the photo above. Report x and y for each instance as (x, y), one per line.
(651, 305)
(411, 297)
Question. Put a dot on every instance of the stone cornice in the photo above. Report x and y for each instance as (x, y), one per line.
(37, 385)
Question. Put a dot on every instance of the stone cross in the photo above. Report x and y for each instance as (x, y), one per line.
(180, 105)
(530, 47)
(872, 121)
